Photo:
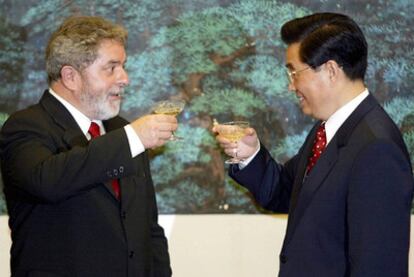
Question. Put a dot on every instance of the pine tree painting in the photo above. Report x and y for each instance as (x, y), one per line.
(225, 58)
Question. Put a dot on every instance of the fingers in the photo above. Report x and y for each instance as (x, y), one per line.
(229, 147)
(225, 143)
(250, 131)
(164, 118)
(243, 149)
(231, 151)
(154, 130)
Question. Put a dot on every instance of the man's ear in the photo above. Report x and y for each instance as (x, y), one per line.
(70, 77)
(334, 69)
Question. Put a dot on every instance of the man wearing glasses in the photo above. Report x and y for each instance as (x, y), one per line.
(348, 190)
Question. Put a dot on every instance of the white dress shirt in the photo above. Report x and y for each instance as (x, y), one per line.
(135, 144)
(336, 120)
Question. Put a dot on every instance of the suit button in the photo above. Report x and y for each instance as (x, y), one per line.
(121, 169)
(115, 172)
(283, 259)
(109, 173)
(131, 254)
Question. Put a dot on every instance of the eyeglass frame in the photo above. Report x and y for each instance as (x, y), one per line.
(292, 74)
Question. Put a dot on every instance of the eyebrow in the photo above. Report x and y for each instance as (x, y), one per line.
(115, 62)
(111, 62)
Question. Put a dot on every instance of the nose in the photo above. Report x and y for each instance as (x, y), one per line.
(291, 86)
(123, 79)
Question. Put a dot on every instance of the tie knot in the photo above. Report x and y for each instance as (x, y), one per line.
(320, 133)
(94, 130)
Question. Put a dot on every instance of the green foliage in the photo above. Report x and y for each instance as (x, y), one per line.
(398, 108)
(226, 59)
(391, 61)
(45, 15)
(237, 199)
(289, 146)
(150, 75)
(11, 60)
(227, 101)
(177, 161)
(176, 155)
(265, 75)
(191, 44)
(183, 197)
(404, 8)
(197, 35)
(262, 20)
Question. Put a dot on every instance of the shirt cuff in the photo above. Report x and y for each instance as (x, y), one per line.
(245, 162)
(135, 144)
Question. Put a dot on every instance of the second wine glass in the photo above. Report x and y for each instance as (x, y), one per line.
(233, 131)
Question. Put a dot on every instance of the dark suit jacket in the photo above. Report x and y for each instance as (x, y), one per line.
(64, 218)
(351, 215)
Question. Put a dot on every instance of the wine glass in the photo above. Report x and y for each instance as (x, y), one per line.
(233, 131)
(169, 107)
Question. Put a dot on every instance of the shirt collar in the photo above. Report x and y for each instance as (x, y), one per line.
(335, 121)
(82, 120)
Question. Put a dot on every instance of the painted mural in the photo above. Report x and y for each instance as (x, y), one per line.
(226, 60)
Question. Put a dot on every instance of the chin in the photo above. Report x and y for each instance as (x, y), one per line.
(306, 111)
(108, 114)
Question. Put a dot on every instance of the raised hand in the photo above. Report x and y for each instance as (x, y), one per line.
(243, 148)
(154, 130)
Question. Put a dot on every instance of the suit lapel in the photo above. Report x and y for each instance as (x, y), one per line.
(303, 160)
(312, 182)
(305, 188)
(72, 134)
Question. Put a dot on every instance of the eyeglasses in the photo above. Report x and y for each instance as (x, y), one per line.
(292, 75)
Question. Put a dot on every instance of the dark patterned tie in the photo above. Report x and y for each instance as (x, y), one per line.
(94, 131)
(319, 145)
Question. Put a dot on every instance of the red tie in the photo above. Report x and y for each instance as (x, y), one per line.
(94, 131)
(319, 145)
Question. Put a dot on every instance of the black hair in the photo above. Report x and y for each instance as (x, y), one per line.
(329, 36)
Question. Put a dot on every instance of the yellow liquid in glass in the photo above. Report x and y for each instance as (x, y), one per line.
(234, 136)
(168, 111)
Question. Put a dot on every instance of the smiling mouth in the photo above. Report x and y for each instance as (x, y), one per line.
(300, 97)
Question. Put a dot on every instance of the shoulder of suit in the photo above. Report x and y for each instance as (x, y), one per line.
(117, 121)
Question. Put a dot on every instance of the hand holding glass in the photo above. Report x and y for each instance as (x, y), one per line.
(233, 131)
(170, 107)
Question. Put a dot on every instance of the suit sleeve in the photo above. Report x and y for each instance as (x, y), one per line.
(36, 160)
(269, 182)
(379, 201)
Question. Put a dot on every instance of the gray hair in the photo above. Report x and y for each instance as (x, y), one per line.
(76, 43)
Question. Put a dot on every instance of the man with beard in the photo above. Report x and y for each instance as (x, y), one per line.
(76, 176)
(348, 190)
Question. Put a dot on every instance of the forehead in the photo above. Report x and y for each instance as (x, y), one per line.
(110, 51)
(292, 59)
